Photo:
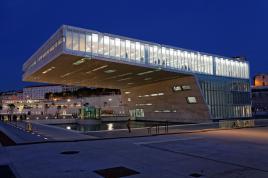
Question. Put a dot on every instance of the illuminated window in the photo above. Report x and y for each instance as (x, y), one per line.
(164, 57)
(151, 55)
(139, 112)
(155, 55)
(142, 55)
(186, 87)
(175, 59)
(127, 55)
(100, 45)
(82, 42)
(117, 47)
(106, 45)
(132, 50)
(176, 88)
(171, 58)
(69, 40)
(95, 43)
(191, 100)
(138, 47)
(88, 43)
(75, 41)
(179, 59)
(168, 61)
(159, 56)
(123, 49)
(112, 47)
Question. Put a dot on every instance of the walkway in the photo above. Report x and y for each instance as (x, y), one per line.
(238, 153)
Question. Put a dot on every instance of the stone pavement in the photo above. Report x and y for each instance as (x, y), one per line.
(212, 154)
(41, 133)
(48, 133)
(19, 134)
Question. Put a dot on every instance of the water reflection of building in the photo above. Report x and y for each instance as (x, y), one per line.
(260, 95)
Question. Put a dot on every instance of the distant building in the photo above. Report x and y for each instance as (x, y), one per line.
(11, 95)
(39, 92)
(91, 103)
(261, 80)
(260, 95)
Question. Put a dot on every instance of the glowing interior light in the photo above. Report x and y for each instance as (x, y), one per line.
(144, 73)
(48, 70)
(110, 126)
(124, 79)
(79, 62)
(99, 68)
(109, 71)
(148, 78)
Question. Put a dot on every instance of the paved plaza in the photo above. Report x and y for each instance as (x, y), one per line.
(211, 154)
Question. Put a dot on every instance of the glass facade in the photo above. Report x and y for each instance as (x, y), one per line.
(49, 49)
(226, 98)
(121, 48)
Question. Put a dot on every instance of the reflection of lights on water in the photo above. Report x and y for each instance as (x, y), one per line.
(110, 126)
(68, 127)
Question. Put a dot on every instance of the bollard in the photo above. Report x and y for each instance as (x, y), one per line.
(29, 127)
(157, 129)
(167, 126)
(149, 130)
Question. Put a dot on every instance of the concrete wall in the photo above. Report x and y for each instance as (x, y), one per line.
(157, 107)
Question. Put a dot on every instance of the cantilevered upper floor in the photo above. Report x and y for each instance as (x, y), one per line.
(87, 45)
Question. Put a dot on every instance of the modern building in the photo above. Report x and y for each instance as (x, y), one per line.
(260, 95)
(157, 82)
(39, 92)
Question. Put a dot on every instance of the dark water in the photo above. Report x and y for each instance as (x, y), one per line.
(107, 125)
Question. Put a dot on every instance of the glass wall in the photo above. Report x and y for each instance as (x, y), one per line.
(226, 98)
(49, 49)
(88, 42)
(231, 68)
(162, 56)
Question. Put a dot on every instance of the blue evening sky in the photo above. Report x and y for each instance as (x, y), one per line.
(224, 27)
